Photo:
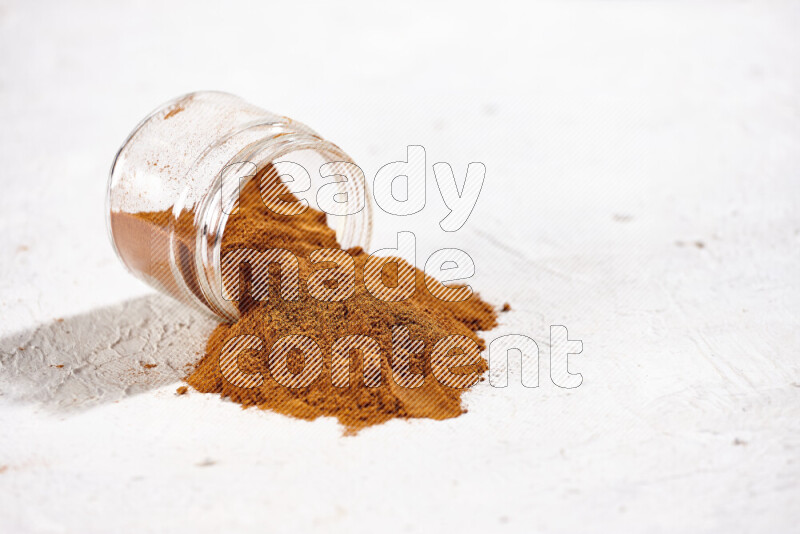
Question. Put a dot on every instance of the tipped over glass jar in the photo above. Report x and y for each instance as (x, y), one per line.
(185, 164)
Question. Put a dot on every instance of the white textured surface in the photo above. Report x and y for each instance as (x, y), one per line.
(616, 136)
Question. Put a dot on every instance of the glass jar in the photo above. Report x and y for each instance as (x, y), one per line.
(183, 167)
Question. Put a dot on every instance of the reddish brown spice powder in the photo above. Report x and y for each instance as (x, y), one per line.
(356, 406)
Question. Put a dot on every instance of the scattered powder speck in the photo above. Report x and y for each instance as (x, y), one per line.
(174, 111)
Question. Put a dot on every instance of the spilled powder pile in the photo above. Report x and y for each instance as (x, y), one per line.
(356, 406)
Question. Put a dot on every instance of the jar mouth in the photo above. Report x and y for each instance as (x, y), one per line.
(215, 208)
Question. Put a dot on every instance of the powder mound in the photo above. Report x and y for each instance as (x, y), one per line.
(356, 405)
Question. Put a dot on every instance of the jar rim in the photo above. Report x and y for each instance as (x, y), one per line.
(213, 218)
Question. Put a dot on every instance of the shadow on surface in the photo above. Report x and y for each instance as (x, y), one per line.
(104, 355)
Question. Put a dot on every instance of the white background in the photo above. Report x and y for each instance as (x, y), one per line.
(642, 189)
